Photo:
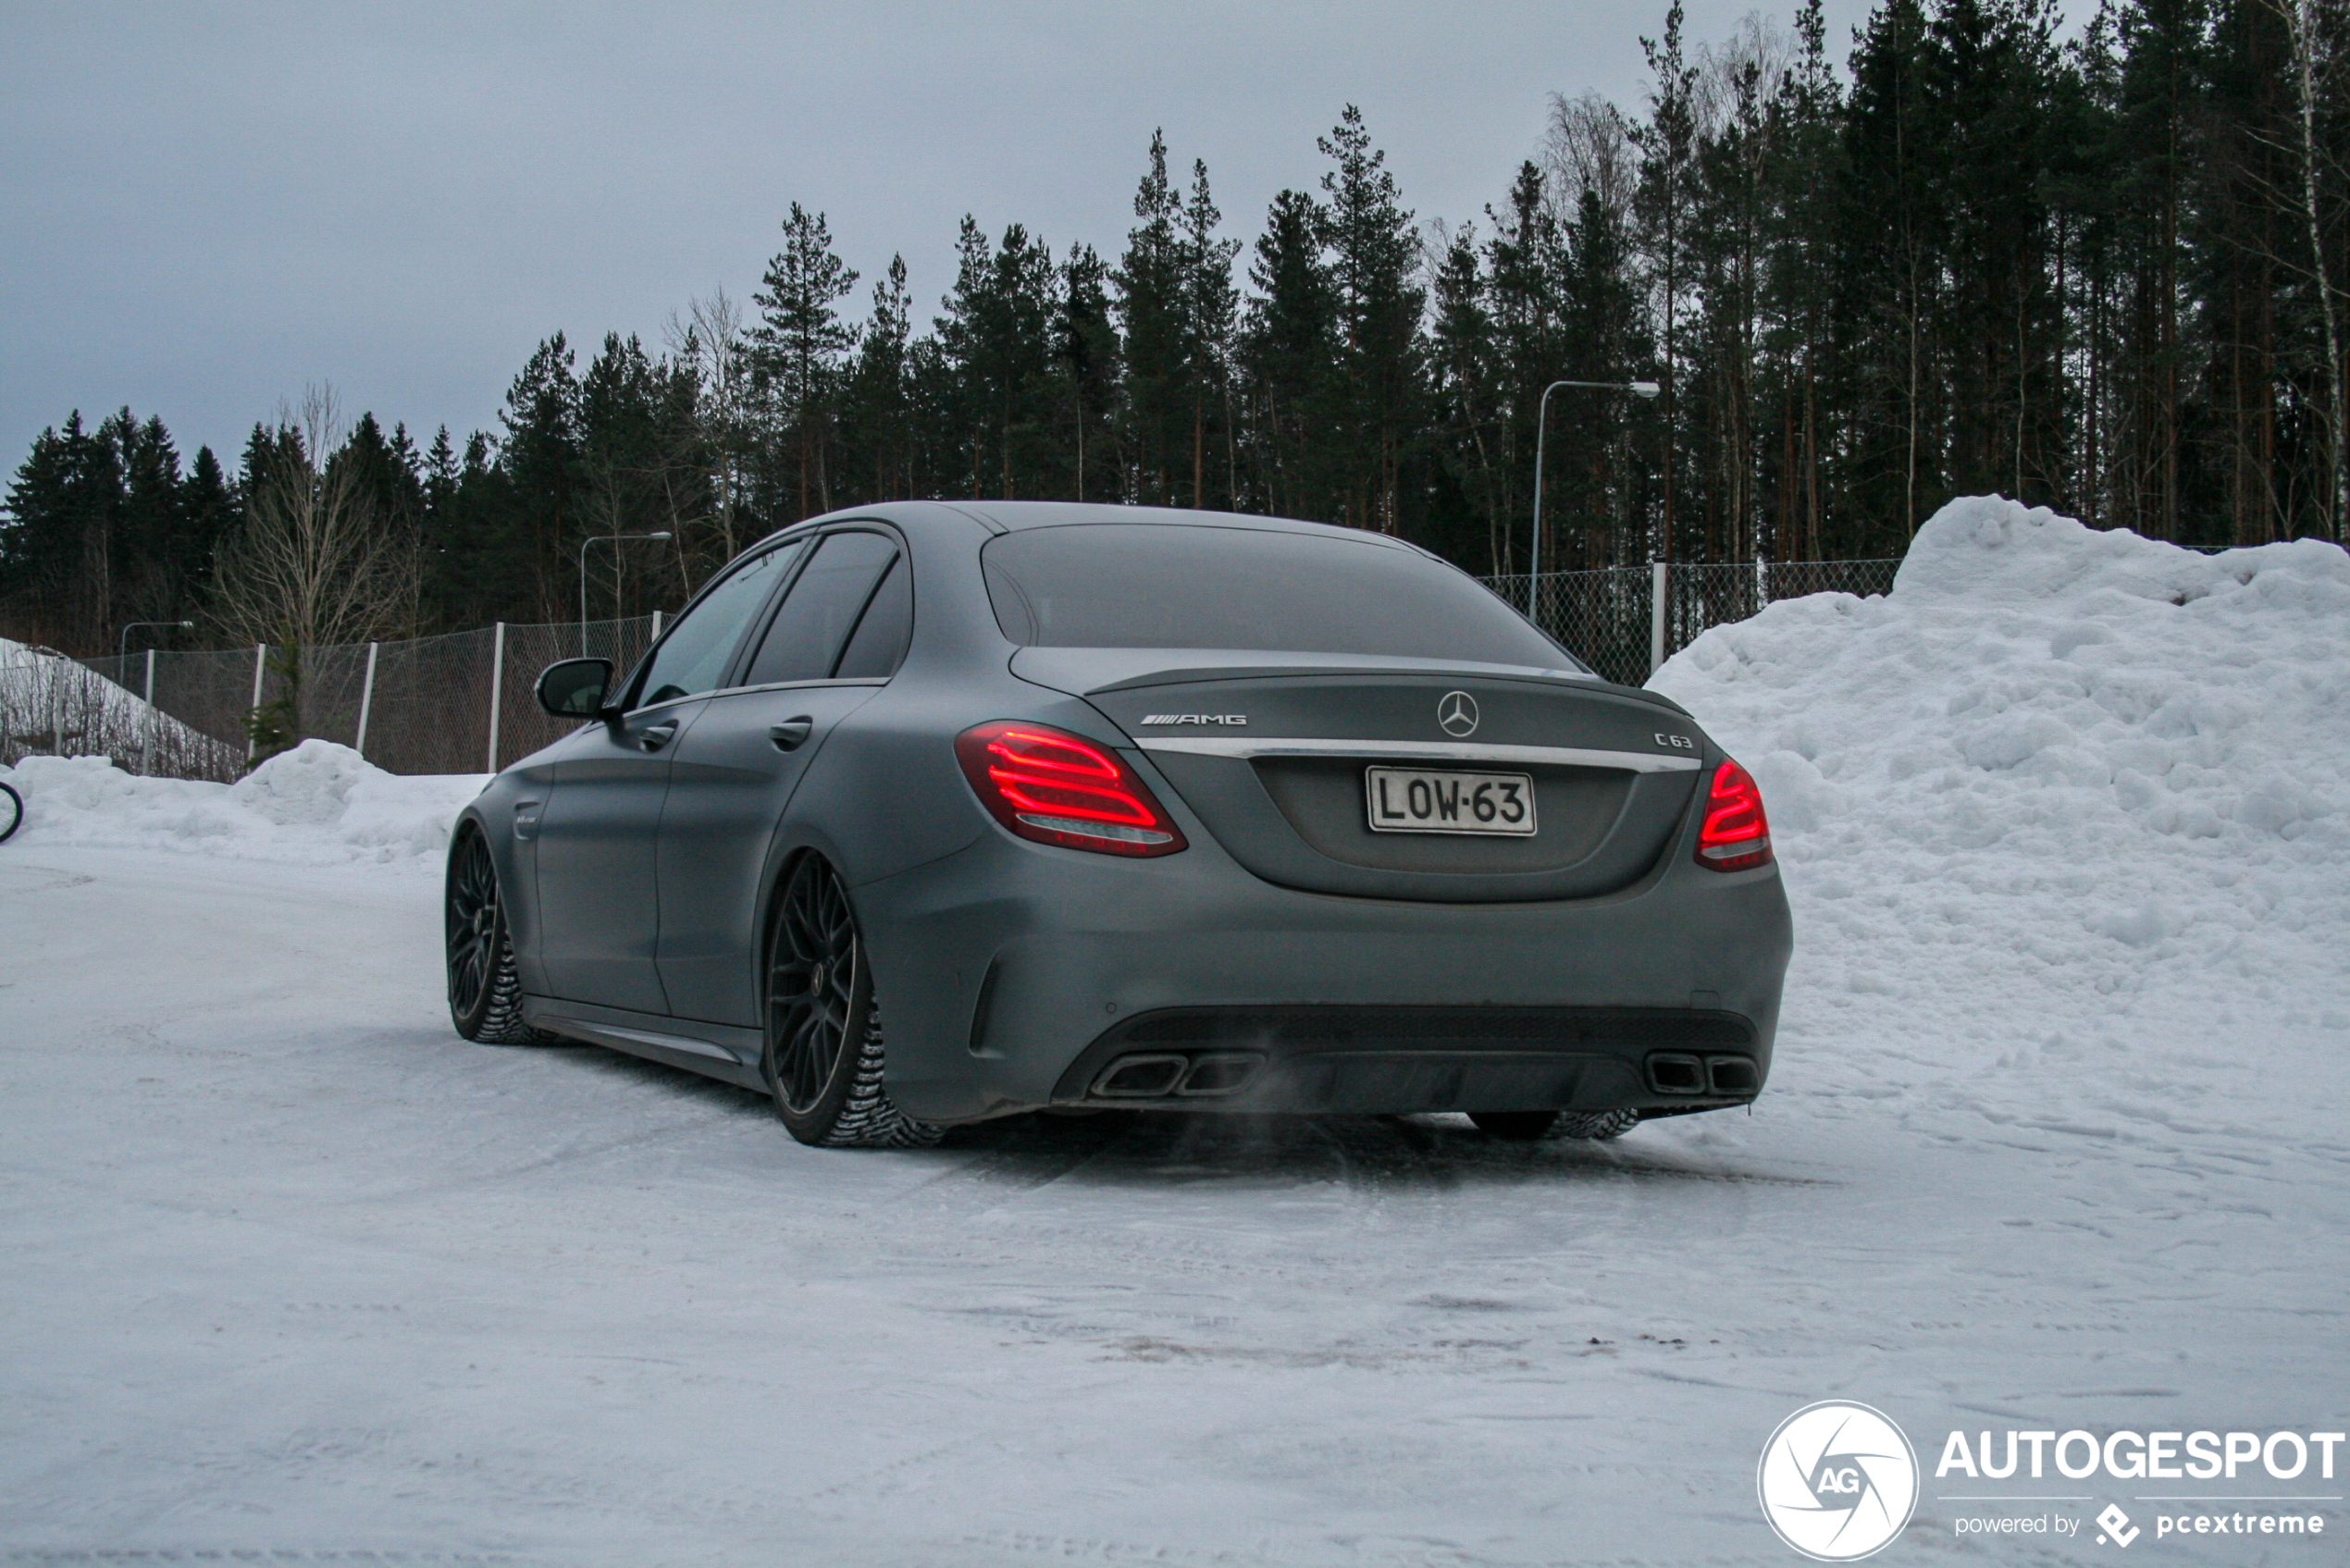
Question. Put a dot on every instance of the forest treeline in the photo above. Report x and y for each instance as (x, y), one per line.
(2105, 273)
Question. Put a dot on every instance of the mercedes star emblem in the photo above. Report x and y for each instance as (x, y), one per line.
(1456, 714)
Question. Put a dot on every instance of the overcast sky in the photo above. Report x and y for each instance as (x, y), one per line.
(210, 206)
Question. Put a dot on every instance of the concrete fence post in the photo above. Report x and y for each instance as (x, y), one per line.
(260, 653)
(497, 685)
(1656, 614)
(367, 700)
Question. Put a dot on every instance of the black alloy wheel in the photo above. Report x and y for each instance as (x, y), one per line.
(815, 986)
(485, 991)
(823, 1052)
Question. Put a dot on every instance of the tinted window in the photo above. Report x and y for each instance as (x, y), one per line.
(695, 655)
(1129, 584)
(879, 642)
(816, 616)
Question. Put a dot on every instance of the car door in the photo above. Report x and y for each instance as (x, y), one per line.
(837, 636)
(599, 910)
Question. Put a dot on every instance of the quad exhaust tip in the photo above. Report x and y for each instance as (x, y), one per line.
(1673, 1072)
(1161, 1075)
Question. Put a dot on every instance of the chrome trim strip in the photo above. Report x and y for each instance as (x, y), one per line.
(1427, 751)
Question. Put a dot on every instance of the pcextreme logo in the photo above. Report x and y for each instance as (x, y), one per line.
(1838, 1481)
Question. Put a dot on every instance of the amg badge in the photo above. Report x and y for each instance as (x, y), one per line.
(1195, 718)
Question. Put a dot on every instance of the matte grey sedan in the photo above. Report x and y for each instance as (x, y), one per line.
(927, 813)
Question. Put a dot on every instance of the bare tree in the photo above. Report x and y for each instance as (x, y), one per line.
(709, 338)
(1588, 147)
(1752, 63)
(315, 563)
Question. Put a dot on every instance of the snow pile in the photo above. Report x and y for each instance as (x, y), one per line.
(316, 804)
(2056, 778)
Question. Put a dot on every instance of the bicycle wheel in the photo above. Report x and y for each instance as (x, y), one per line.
(12, 812)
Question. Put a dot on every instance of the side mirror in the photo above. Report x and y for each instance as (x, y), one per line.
(575, 688)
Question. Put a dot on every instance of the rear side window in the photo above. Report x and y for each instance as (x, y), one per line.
(823, 607)
(1133, 585)
(879, 642)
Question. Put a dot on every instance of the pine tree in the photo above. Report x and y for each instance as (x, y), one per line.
(57, 507)
(1668, 144)
(1465, 399)
(996, 346)
(1800, 285)
(879, 413)
(1527, 263)
(540, 461)
(1892, 231)
(1374, 255)
(1290, 350)
(803, 348)
(1150, 282)
(1088, 360)
(1210, 306)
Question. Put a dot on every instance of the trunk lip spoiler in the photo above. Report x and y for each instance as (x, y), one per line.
(1424, 750)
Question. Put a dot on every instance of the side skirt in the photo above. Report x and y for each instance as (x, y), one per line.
(720, 1051)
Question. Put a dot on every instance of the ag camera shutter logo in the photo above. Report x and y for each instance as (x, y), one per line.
(1839, 1481)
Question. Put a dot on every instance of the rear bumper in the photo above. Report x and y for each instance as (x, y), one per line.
(1009, 973)
(1339, 1060)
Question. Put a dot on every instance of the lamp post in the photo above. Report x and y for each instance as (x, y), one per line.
(601, 538)
(1542, 418)
(122, 643)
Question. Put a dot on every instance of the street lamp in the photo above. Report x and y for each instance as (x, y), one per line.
(122, 643)
(600, 539)
(1541, 416)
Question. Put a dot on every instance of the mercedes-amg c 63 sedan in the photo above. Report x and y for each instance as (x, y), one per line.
(927, 813)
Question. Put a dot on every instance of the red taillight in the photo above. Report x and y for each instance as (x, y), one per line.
(1736, 836)
(1055, 787)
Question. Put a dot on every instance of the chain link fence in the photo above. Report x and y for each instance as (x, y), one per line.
(51, 705)
(1624, 621)
(463, 703)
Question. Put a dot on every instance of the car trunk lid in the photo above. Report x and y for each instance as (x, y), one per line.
(1275, 755)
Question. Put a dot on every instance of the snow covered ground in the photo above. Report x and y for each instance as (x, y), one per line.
(2055, 1140)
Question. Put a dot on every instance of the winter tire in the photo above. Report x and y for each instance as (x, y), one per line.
(1526, 1126)
(823, 1060)
(485, 993)
(12, 812)
(1596, 1125)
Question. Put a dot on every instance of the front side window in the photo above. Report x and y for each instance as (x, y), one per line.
(1139, 585)
(694, 657)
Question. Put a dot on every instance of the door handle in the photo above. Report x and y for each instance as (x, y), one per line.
(789, 734)
(654, 737)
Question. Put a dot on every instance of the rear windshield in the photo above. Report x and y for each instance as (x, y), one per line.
(1133, 585)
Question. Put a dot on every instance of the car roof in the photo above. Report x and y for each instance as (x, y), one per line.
(1011, 516)
(1016, 514)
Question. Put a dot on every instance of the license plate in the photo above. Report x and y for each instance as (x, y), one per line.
(1422, 800)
